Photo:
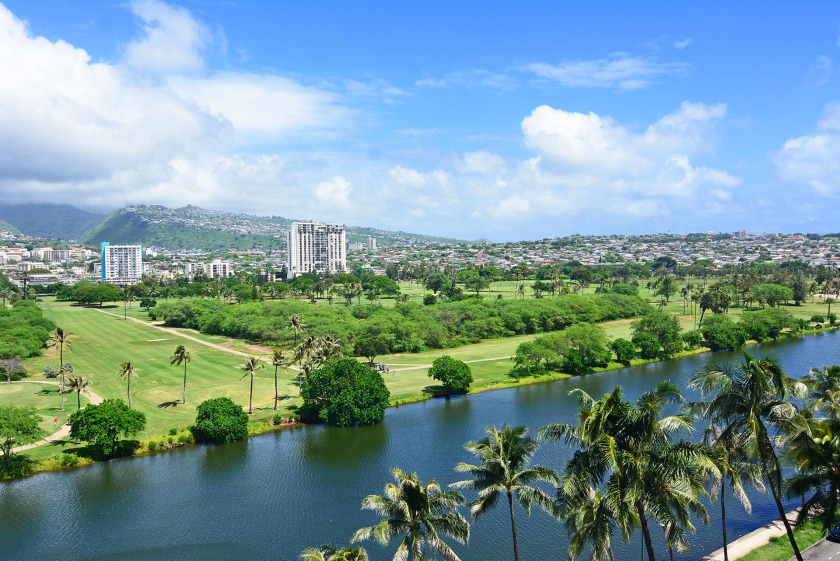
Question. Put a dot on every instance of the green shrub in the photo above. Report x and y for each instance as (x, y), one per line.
(278, 420)
(624, 350)
(152, 445)
(171, 440)
(220, 420)
(173, 432)
(817, 319)
(454, 374)
(832, 318)
(68, 460)
(429, 300)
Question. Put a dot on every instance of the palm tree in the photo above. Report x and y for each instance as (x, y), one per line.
(181, 356)
(814, 447)
(420, 511)
(296, 323)
(589, 518)
(747, 400)
(76, 384)
(127, 371)
(329, 552)
(505, 459)
(730, 460)
(278, 359)
(60, 338)
(629, 451)
(251, 365)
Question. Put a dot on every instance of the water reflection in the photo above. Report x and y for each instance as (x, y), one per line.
(344, 446)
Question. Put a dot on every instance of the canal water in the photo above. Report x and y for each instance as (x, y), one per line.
(279, 493)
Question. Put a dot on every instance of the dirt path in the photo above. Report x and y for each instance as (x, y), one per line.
(64, 430)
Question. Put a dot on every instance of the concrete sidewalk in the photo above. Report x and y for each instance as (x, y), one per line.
(754, 539)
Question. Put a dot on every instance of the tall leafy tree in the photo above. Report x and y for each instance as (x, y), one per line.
(251, 365)
(179, 357)
(629, 450)
(421, 513)
(752, 400)
(127, 371)
(506, 470)
(18, 425)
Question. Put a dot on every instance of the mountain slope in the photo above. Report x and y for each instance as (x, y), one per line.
(46, 220)
(191, 227)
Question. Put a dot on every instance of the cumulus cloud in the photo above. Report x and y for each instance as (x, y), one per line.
(172, 39)
(813, 159)
(335, 192)
(619, 70)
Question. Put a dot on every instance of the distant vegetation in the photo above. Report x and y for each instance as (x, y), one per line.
(49, 220)
(407, 327)
(23, 330)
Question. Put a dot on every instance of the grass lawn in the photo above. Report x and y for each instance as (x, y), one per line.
(44, 397)
(779, 548)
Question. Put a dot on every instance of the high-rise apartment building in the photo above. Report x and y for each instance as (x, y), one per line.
(216, 268)
(121, 264)
(315, 246)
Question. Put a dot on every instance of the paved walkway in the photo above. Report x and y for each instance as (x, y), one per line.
(754, 539)
(64, 430)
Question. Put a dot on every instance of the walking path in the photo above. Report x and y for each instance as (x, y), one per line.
(64, 430)
(466, 361)
(754, 539)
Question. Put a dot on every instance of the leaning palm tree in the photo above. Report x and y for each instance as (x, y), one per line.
(76, 384)
(127, 371)
(505, 470)
(251, 365)
(278, 360)
(748, 400)
(181, 356)
(589, 518)
(422, 512)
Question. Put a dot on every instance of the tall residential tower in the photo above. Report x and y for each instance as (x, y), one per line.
(318, 247)
(122, 264)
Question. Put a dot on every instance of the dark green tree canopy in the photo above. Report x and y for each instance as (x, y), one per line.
(344, 392)
(101, 425)
(454, 374)
(220, 420)
(18, 425)
(370, 348)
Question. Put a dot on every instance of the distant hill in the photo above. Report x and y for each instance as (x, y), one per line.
(191, 227)
(46, 220)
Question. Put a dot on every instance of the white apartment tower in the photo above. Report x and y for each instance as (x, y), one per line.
(216, 268)
(121, 264)
(314, 246)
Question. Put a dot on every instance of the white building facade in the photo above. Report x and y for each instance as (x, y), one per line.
(216, 268)
(315, 246)
(121, 264)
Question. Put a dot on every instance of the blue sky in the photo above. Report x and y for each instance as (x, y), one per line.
(499, 120)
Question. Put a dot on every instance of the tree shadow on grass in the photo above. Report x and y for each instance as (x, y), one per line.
(17, 466)
(168, 404)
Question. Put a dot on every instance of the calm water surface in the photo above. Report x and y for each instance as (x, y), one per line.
(273, 496)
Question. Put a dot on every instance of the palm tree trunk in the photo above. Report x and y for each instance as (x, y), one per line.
(251, 398)
(513, 527)
(129, 390)
(723, 519)
(185, 382)
(645, 531)
(78, 399)
(276, 395)
(779, 506)
(609, 549)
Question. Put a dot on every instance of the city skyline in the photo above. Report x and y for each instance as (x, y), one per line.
(503, 121)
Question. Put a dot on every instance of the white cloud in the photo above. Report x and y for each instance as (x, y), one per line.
(485, 163)
(262, 105)
(335, 192)
(680, 44)
(813, 159)
(173, 40)
(619, 70)
(473, 77)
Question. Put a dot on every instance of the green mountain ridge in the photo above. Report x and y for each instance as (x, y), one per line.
(46, 220)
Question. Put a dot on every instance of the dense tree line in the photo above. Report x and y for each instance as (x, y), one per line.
(407, 327)
(23, 330)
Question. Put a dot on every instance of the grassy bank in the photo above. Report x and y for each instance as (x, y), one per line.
(100, 342)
